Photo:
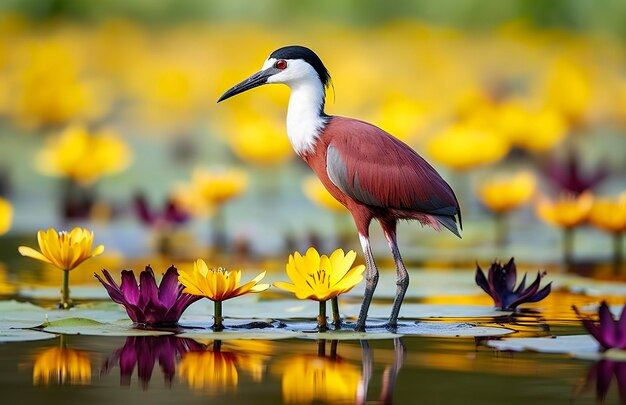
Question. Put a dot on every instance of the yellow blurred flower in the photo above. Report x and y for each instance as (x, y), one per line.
(401, 116)
(219, 185)
(307, 380)
(317, 193)
(82, 156)
(566, 212)
(260, 139)
(208, 371)
(65, 250)
(536, 131)
(609, 214)
(50, 87)
(217, 284)
(58, 366)
(6, 215)
(321, 278)
(462, 147)
(503, 194)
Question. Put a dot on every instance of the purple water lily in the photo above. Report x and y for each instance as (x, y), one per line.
(500, 285)
(602, 372)
(144, 351)
(610, 333)
(568, 175)
(146, 303)
(170, 215)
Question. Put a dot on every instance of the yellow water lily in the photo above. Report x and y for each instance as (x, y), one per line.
(609, 214)
(317, 193)
(321, 278)
(464, 146)
(218, 185)
(60, 366)
(65, 250)
(506, 193)
(82, 156)
(217, 285)
(6, 215)
(566, 212)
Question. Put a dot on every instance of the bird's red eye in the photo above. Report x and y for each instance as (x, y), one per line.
(280, 64)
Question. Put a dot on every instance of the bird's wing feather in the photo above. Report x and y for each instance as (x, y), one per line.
(376, 169)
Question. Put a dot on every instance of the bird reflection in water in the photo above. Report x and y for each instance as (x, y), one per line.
(390, 375)
(143, 352)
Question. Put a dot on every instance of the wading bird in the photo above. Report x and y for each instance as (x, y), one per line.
(373, 174)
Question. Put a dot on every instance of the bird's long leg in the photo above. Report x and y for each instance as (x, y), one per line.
(402, 282)
(366, 373)
(390, 376)
(371, 279)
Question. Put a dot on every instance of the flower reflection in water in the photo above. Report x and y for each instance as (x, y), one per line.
(62, 366)
(143, 352)
(602, 374)
(216, 370)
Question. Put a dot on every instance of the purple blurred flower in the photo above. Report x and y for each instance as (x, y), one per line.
(144, 351)
(146, 303)
(568, 174)
(610, 333)
(601, 374)
(171, 214)
(500, 285)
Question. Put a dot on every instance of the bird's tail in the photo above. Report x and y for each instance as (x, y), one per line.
(449, 222)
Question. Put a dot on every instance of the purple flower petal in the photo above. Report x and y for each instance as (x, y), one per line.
(522, 285)
(510, 274)
(149, 291)
(481, 280)
(526, 295)
(168, 290)
(604, 376)
(608, 326)
(142, 210)
(129, 287)
(112, 289)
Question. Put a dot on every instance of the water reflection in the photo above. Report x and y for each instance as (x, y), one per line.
(62, 366)
(602, 374)
(144, 352)
(390, 375)
(215, 370)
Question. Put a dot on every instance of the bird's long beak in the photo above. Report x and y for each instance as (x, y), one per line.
(257, 79)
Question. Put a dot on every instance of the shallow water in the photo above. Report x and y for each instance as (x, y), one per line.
(405, 370)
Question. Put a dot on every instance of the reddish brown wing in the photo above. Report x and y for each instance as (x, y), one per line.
(373, 167)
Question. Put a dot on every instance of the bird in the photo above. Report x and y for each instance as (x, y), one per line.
(372, 173)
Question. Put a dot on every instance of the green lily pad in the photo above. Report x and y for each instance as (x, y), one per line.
(257, 334)
(24, 314)
(83, 326)
(23, 335)
(558, 344)
(449, 329)
(349, 335)
(412, 311)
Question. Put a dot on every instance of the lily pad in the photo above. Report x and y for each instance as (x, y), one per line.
(23, 335)
(412, 311)
(83, 326)
(257, 334)
(611, 354)
(24, 314)
(558, 344)
(349, 335)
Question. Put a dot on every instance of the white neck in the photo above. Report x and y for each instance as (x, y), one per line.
(304, 116)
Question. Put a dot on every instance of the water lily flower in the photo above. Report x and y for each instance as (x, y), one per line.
(570, 177)
(65, 250)
(500, 285)
(82, 156)
(609, 214)
(317, 193)
(208, 191)
(147, 303)
(61, 366)
(321, 278)
(144, 352)
(609, 332)
(601, 374)
(463, 146)
(172, 214)
(504, 194)
(218, 285)
(566, 213)
(6, 215)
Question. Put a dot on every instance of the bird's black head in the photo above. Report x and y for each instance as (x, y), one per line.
(289, 65)
(301, 52)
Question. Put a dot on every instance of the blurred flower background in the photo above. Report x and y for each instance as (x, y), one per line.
(102, 101)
